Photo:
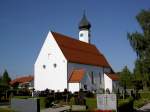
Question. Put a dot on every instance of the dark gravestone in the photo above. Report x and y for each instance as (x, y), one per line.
(25, 105)
(76, 100)
(80, 98)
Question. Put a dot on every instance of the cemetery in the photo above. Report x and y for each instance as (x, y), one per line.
(67, 101)
(28, 99)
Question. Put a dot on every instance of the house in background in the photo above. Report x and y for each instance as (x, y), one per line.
(23, 82)
(65, 62)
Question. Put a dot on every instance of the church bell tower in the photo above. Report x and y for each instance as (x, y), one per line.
(84, 29)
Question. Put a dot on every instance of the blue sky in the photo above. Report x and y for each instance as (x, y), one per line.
(24, 25)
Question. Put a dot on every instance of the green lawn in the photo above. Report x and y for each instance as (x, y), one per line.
(42, 102)
(6, 110)
(122, 101)
(144, 99)
(91, 103)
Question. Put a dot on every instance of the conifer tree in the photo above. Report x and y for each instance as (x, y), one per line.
(5, 78)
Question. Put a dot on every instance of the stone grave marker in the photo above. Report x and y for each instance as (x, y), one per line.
(106, 102)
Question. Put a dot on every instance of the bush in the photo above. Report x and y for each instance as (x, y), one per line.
(125, 105)
(144, 99)
(48, 101)
(89, 94)
(145, 95)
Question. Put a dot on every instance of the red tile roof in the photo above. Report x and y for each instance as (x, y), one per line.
(114, 77)
(76, 76)
(77, 51)
(22, 80)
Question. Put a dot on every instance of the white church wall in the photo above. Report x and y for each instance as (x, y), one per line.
(107, 82)
(97, 72)
(50, 69)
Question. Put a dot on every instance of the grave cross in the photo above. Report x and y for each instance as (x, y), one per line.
(106, 98)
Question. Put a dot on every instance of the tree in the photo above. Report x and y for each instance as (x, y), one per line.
(126, 78)
(140, 42)
(5, 78)
(0, 79)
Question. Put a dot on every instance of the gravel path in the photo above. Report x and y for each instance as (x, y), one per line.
(145, 108)
(56, 109)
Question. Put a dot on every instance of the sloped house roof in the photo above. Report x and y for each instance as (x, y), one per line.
(22, 79)
(76, 75)
(80, 52)
(113, 76)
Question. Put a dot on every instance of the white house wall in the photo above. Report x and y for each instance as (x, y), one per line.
(98, 71)
(73, 87)
(108, 82)
(50, 77)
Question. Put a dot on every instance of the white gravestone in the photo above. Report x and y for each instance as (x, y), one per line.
(106, 102)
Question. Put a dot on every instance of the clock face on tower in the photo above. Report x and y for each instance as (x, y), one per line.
(81, 34)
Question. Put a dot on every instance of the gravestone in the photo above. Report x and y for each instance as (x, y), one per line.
(25, 105)
(106, 102)
(79, 98)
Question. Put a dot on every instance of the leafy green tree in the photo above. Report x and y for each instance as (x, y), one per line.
(140, 42)
(0, 79)
(126, 78)
(5, 78)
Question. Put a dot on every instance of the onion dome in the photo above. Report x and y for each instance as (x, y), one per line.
(84, 23)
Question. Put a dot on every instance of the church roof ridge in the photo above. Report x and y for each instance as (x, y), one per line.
(76, 51)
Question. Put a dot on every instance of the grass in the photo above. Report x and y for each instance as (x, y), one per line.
(145, 95)
(122, 102)
(91, 103)
(6, 110)
(139, 103)
(144, 99)
(22, 97)
(42, 102)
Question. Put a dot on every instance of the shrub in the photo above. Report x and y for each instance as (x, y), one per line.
(145, 95)
(89, 94)
(126, 105)
(48, 101)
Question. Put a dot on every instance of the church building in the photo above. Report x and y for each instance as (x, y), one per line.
(65, 62)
